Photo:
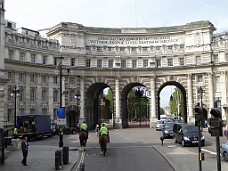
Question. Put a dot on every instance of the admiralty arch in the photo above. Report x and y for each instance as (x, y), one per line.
(67, 58)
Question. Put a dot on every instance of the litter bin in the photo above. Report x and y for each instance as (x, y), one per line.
(65, 155)
(58, 159)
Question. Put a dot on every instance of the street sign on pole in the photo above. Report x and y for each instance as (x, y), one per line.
(61, 121)
(60, 112)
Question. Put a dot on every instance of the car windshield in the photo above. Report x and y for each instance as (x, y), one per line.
(159, 122)
(169, 125)
(190, 128)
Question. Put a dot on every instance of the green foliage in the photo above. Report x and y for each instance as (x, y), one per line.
(177, 99)
(162, 111)
(109, 96)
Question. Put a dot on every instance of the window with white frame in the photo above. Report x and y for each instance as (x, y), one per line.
(21, 77)
(32, 95)
(110, 63)
(181, 61)
(22, 56)
(158, 62)
(216, 58)
(198, 60)
(55, 96)
(55, 80)
(44, 96)
(217, 84)
(33, 58)
(170, 62)
(134, 63)
(11, 54)
(123, 63)
(145, 63)
(32, 78)
(88, 63)
(44, 60)
(99, 63)
(199, 78)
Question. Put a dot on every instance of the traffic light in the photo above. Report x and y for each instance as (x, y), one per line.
(198, 116)
(216, 122)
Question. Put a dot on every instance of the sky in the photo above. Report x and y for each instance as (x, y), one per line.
(40, 14)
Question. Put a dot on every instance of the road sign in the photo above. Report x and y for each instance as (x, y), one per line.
(60, 112)
(61, 121)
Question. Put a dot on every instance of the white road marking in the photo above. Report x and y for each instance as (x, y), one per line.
(208, 151)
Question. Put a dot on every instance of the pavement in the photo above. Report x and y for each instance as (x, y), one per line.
(40, 158)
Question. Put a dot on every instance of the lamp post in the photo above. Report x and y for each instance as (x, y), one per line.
(77, 97)
(200, 93)
(15, 93)
(60, 100)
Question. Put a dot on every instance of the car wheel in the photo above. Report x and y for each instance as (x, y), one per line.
(225, 155)
(183, 143)
(175, 139)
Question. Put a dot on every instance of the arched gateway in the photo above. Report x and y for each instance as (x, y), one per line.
(187, 56)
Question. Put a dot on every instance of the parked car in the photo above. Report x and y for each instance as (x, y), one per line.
(224, 151)
(66, 129)
(168, 130)
(159, 125)
(187, 134)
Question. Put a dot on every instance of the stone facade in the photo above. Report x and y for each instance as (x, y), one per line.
(187, 56)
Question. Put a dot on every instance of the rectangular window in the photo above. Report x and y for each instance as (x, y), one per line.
(32, 111)
(170, 62)
(134, 63)
(22, 56)
(55, 96)
(158, 62)
(44, 96)
(99, 63)
(71, 81)
(54, 114)
(55, 61)
(145, 63)
(200, 78)
(44, 59)
(33, 58)
(88, 63)
(123, 63)
(158, 47)
(215, 58)
(32, 95)
(110, 63)
(72, 61)
(21, 78)
(122, 49)
(11, 54)
(217, 84)
(55, 80)
(44, 79)
(133, 49)
(21, 111)
(181, 61)
(198, 60)
(44, 110)
(21, 96)
(32, 78)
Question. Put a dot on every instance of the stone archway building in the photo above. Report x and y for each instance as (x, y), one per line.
(189, 56)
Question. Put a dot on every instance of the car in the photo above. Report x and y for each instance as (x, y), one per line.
(66, 129)
(224, 151)
(187, 134)
(167, 130)
(159, 125)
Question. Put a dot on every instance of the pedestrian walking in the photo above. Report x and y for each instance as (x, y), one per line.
(81, 167)
(24, 148)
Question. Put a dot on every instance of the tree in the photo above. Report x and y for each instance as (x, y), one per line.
(109, 97)
(162, 111)
(177, 100)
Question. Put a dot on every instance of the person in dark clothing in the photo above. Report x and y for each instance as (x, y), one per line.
(24, 148)
(81, 167)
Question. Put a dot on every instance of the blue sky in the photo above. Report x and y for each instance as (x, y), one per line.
(39, 14)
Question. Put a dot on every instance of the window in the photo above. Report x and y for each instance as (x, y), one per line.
(22, 56)
(55, 61)
(11, 54)
(110, 63)
(21, 111)
(145, 63)
(88, 47)
(44, 59)
(181, 61)
(133, 49)
(9, 95)
(158, 62)
(32, 95)
(215, 58)
(99, 63)
(44, 96)
(55, 80)
(10, 76)
(71, 81)
(88, 63)
(32, 111)
(99, 49)
(200, 78)
(44, 79)
(134, 63)
(227, 57)
(32, 78)
(55, 96)
(158, 47)
(72, 61)
(72, 96)
(21, 96)
(33, 58)
(54, 114)
(217, 84)
(122, 49)
(21, 78)
(144, 49)
(10, 117)
(198, 60)
(170, 62)
(123, 63)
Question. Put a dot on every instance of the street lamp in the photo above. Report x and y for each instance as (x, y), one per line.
(77, 97)
(60, 100)
(15, 93)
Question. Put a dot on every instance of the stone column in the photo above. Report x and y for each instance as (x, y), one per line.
(211, 90)
(153, 118)
(223, 82)
(82, 100)
(191, 118)
(118, 119)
